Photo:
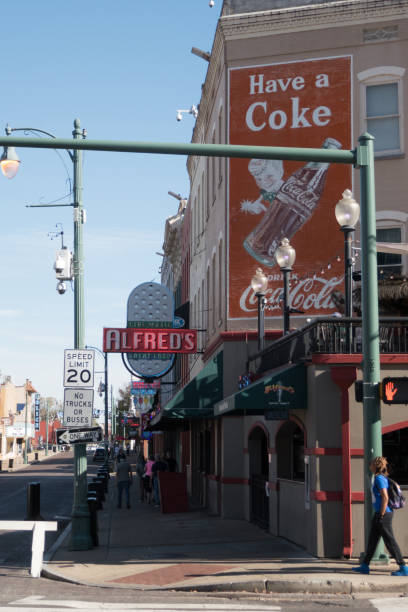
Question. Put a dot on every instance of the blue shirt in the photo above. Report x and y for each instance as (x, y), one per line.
(380, 482)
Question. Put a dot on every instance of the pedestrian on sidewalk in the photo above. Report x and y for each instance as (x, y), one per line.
(158, 466)
(147, 479)
(381, 525)
(124, 479)
(140, 470)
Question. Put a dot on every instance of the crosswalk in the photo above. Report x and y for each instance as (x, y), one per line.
(390, 604)
(37, 603)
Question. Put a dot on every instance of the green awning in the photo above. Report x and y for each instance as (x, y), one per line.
(197, 398)
(284, 389)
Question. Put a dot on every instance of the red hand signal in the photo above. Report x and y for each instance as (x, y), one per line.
(390, 391)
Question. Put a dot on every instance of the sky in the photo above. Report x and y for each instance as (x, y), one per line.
(123, 68)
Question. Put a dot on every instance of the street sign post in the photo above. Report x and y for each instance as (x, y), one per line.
(79, 435)
(78, 407)
(79, 367)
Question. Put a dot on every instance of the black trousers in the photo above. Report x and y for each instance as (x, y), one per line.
(383, 529)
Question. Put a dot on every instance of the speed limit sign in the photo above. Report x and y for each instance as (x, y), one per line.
(79, 367)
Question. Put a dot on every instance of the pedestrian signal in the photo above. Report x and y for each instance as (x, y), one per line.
(395, 390)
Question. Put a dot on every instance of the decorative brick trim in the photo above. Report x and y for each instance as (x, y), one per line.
(329, 496)
(323, 451)
(310, 17)
(394, 427)
(213, 477)
(242, 481)
(357, 452)
(323, 496)
(356, 359)
(357, 496)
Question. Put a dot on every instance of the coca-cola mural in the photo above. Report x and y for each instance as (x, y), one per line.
(295, 104)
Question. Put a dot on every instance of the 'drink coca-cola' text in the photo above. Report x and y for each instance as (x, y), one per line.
(307, 294)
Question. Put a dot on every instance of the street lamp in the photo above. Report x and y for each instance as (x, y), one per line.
(259, 284)
(9, 163)
(285, 256)
(347, 213)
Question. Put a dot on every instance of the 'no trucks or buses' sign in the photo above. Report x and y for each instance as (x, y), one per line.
(78, 407)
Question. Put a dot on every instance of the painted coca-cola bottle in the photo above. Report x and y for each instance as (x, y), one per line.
(293, 205)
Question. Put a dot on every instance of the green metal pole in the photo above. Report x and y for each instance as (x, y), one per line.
(335, 156)
(370, 323)
(25, 425)
(80, 533)
(46, 427)
(79, 334)
(112, 410)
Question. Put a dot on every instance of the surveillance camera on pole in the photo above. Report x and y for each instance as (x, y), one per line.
(61, 287)
(63, 268)
(63, 264)
(211, 3)
(193, 110)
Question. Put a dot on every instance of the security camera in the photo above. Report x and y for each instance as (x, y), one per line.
(211, 3)
(179, 116)
(61, 287)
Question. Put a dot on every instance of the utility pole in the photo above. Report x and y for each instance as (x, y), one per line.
(80, 534)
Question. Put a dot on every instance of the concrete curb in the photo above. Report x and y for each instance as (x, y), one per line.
(296, 586)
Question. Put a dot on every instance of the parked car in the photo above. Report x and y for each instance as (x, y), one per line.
(99, 455)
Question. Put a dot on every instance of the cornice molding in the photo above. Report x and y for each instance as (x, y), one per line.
(316, 16)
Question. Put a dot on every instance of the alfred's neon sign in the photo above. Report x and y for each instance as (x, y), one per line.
(131, 340)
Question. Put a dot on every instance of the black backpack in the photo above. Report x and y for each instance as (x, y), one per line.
(396, 500)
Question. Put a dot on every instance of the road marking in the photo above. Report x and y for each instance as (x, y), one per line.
(6, 498)
(390, 604)
(39, 601)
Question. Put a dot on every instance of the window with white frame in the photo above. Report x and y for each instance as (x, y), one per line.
(381, 108)
(391, 227)
(389, 264)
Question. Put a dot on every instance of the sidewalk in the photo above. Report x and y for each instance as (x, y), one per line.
(141, 548)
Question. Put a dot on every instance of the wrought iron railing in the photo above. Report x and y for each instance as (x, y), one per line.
(331, 336)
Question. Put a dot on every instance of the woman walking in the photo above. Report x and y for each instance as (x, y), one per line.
(147, 479)
(381, 525)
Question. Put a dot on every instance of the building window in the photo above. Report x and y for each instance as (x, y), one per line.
(391, 227)
(199, 211)
(290, 447)
(382, 116)
(381, 108)
(395, 448)
(389, 264)
(213, 173)
(220, 141)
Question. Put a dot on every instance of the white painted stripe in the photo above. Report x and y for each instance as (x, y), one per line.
(390, 604)
(39, 601)
(145, 608)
